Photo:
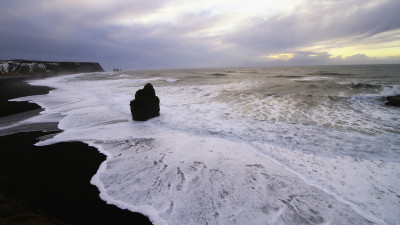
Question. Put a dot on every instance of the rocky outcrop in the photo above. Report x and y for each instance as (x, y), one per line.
(146, 104)
(393, 100)
(25, 67)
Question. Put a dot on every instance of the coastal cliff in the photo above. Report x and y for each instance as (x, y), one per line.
(26, 67)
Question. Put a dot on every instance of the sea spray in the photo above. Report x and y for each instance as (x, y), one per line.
(267, 145)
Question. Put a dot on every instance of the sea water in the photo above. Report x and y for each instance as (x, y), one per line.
(289, 145)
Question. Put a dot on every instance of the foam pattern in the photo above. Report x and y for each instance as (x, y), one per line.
(228, 150)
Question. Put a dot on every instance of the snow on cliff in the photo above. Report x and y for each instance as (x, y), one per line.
(24, 67)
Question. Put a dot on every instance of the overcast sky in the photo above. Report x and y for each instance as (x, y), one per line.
(155, 34)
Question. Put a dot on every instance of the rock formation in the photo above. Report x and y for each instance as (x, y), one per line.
(146, 104)
(25, 67)
(393, 100)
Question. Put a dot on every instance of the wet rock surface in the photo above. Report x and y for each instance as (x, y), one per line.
(393, 100)
(146, 104)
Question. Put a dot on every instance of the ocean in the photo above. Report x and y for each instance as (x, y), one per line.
(274, 145)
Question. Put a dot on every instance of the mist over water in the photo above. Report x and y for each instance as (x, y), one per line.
(289, 145)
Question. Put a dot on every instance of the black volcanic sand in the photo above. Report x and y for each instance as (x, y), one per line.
(49, 184)
(14, 88)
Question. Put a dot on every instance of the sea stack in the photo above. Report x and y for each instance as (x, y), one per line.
(146, 104)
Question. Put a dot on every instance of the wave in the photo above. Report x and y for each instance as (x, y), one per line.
(364, 86)
(288, 76)
(171, 80)
(207, 160)
(390, 90)
(325, 73)
(373, 89)
(218, 74)
(313, 78)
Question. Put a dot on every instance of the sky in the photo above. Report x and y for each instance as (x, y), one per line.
(166, 34)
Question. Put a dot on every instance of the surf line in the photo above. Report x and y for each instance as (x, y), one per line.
(325, 190)
(146, 210)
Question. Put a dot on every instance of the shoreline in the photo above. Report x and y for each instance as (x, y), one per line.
(16, 87)
(51, 184)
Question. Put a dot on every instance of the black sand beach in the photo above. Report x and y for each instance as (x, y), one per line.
(49, 184)
(14, 88)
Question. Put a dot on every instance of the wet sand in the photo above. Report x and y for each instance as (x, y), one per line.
(49, 184)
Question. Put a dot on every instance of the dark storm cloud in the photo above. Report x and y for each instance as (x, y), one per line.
(110, 34)
(43, 29)
(62, 31)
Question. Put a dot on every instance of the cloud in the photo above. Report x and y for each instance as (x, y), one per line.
(137, 34)
(312, 58)
(74, 31)
(319, 21)
(364, 59)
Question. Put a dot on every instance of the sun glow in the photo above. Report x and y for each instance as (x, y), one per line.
(369, 46)
(284, 57)
(377, 52)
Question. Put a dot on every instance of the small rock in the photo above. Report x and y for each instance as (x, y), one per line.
(393, 100)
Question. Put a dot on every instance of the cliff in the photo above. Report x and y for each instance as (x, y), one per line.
(26, 67)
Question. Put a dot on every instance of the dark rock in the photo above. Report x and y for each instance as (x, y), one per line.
(146, 104)
(393, 100)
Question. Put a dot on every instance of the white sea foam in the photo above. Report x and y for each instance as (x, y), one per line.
(171, 80)
(389, 90)
(124, 76)
(210, 158)
(313, 78)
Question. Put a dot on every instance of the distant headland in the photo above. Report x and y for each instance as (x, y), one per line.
(28, 67)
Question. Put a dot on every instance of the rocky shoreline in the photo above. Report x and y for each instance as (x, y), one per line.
(49, 184)
(26, 67)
